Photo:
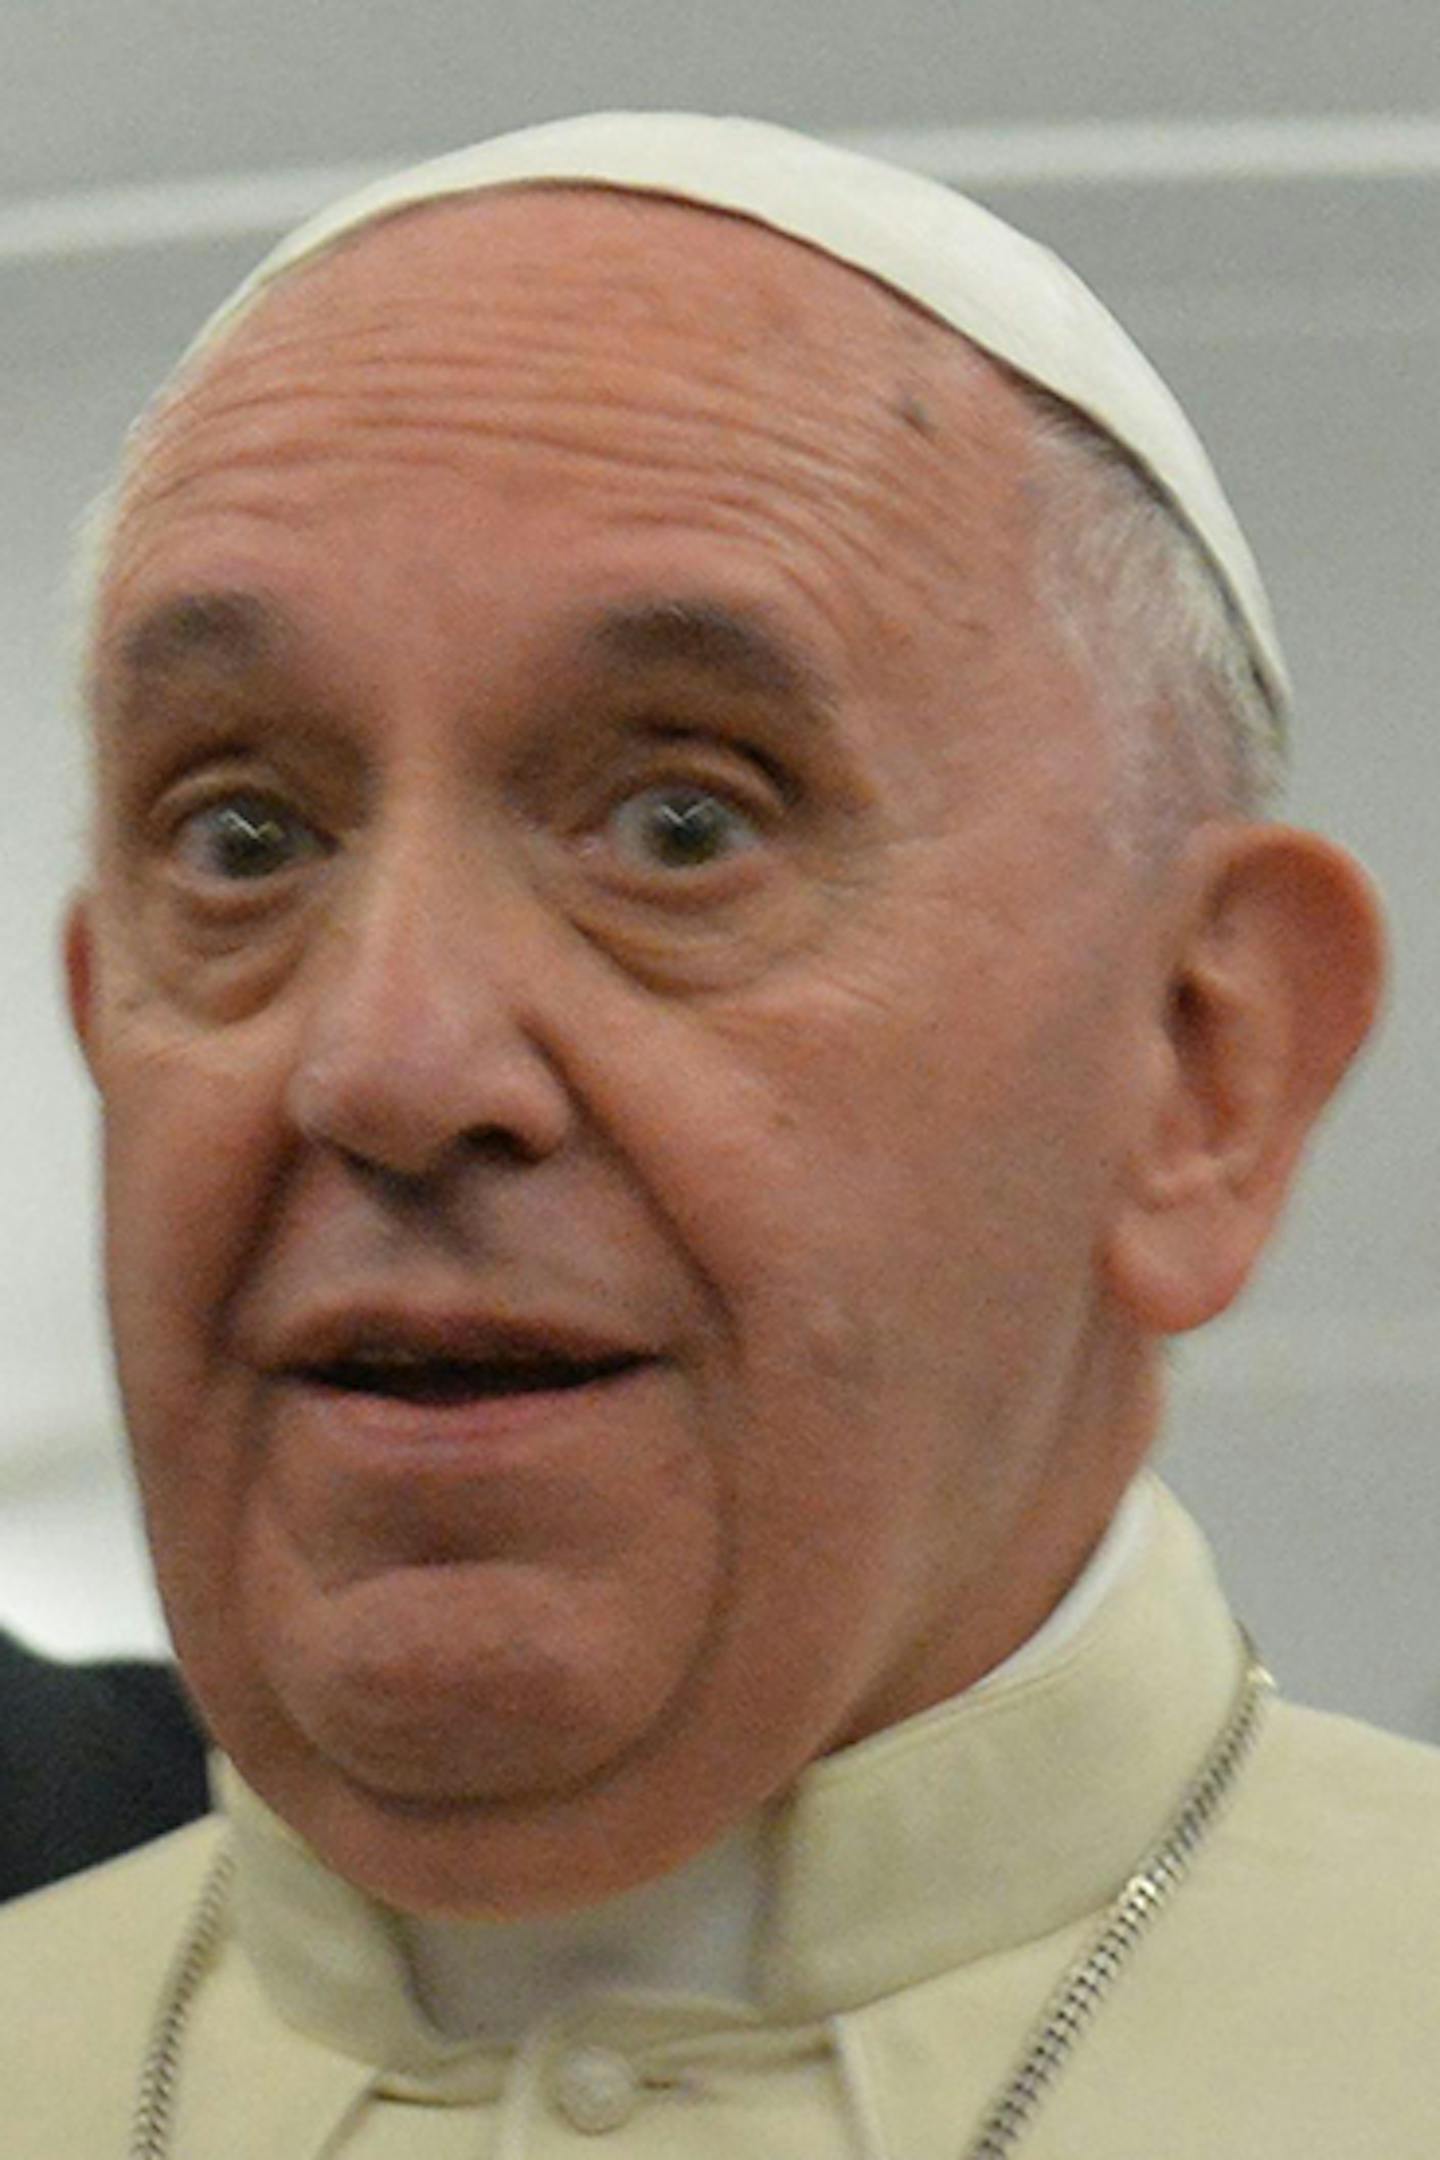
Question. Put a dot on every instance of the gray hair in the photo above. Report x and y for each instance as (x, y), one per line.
(1135, 597)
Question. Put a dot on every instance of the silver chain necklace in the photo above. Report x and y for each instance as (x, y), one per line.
(1057, 2031)
(1073, 2003)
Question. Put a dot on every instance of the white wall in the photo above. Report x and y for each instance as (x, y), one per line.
(1286, 277)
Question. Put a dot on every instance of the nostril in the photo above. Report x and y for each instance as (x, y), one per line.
(500, 1144)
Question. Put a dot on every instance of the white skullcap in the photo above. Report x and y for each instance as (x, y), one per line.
(959, 262)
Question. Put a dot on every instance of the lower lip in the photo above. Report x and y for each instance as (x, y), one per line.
(391, 1427)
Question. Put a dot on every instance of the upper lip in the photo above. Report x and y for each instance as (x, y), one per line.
(380, 1331)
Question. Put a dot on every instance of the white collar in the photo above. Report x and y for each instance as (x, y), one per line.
(692, 1931)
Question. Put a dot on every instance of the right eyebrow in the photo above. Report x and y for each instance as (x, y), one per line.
(222, 633)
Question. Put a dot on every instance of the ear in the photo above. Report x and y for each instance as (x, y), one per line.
(1275, 962)
(79, 955)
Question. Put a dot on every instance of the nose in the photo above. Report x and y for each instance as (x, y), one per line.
(420, 1036)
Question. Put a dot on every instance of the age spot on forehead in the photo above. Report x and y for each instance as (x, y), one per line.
(913, 412)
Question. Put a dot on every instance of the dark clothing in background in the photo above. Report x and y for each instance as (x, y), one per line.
(93, 1759)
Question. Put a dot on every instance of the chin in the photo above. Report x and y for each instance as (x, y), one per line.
(481, 1860)
(449, 1692)
(425, 1759)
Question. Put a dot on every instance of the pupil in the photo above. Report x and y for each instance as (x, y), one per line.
(248, 841)
(688, 828)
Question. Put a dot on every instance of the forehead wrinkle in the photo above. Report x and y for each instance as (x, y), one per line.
(833, 422)
(386, 376)
(802, 509)
(852, 459)
(373, 304)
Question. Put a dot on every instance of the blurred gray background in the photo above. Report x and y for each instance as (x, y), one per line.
(1254, 187)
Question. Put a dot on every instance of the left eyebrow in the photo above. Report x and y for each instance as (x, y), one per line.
(736, 650)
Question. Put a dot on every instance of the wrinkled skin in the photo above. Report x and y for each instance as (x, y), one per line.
(413, 986)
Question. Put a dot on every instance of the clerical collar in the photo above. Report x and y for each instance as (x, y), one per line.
(694, 1931)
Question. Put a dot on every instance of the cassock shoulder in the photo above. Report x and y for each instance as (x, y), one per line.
(1287, 2003)
(131, 1905)
(1351, 1800)
(1283, 2005)
(89, 1956)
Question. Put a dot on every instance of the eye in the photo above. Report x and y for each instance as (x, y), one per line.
(678, 826)
(246, 836)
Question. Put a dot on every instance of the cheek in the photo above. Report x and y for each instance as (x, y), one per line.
(814, 1241)
(892, 1190)
(193, 1147)
(813, 1168)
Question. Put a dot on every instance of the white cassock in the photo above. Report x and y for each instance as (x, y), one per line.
(869, 1959)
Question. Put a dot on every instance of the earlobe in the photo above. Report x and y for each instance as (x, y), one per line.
(1272, 987)
(79, 956)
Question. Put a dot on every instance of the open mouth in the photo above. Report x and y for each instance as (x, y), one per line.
(444, 1381)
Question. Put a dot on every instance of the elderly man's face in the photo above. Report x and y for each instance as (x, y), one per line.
(615, 999)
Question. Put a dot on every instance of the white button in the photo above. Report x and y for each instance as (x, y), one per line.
(595, 2090)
